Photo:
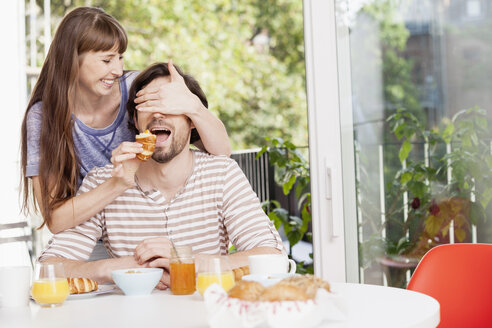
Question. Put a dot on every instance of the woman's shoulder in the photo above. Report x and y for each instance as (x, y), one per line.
(34, 112)
(36, 107)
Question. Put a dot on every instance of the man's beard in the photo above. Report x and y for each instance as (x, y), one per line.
(178, 144)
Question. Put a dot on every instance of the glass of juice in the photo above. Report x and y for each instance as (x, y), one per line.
(214, 269)
(182, 270)
(50, 285)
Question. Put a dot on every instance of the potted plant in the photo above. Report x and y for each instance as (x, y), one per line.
(452, 188)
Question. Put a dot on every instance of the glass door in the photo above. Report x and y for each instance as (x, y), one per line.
(412, 92)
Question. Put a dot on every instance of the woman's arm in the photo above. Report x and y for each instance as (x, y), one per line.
(213, 134)
(79, 209)
(175, 98)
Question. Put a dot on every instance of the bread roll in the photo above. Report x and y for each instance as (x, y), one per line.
(81, 285)
(147, 140)
(308, 283)
(282, 292)
(246, 290)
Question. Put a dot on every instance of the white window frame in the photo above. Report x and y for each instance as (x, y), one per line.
(334, 221)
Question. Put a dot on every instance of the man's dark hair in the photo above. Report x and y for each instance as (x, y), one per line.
(148, 75)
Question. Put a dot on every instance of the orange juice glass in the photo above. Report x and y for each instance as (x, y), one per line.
(214, 269)
(205, 279)
(50, 286)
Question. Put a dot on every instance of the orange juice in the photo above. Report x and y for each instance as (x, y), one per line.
(205, 279)
(46, 291)
(182, 278)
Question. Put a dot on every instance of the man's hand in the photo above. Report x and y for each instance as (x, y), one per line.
(155, 253)
(125, 162)
(165, 281)
(172, 98)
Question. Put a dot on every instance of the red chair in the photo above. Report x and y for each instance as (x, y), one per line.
(459, 277)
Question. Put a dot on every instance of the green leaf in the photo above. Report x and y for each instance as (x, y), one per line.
(282, 214)
(262, 151)
(288, 185)
(405, 149)
(293, 236)
(300, 188)
(418, 188)
(275, 219)
(447, 134)
(432, 225)
(405, 177)
(306, 218)
(460, 234)
(295, 221)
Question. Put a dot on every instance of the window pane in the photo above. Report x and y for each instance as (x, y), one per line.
(420, 81)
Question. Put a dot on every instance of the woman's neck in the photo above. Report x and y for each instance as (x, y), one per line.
(97, 111)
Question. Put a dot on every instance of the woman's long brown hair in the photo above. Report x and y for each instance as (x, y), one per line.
(83, 29)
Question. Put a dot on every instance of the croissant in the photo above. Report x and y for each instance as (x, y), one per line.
(81, 285)
(147, 140)
(240, 272)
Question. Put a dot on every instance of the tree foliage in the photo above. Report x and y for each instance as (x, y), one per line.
(255, 93)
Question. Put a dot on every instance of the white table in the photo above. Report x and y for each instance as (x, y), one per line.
(377, 306)
(367, 306)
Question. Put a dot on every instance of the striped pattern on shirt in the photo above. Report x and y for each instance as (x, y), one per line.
(216, 206)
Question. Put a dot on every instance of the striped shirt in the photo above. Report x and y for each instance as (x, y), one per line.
(215, 207)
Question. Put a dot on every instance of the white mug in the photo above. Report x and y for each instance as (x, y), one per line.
(15, 282)
(265, 264)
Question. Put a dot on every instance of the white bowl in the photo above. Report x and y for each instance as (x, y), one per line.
(137, 281)
(267, 280)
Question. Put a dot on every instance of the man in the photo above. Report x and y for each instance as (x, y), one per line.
(180, 195)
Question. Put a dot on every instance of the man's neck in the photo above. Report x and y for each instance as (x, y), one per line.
(169, 178)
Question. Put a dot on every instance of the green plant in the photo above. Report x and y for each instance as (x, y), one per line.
(291, 170)
(454, 185)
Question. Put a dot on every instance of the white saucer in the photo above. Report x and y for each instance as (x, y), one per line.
(267, 280)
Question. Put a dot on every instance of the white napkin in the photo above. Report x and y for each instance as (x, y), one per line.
(225, 312)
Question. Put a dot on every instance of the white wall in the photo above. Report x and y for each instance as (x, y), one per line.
(13, 101)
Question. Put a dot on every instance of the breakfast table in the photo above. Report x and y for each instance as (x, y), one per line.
(365, 306)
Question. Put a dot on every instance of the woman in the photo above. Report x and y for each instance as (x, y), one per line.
(76, 119)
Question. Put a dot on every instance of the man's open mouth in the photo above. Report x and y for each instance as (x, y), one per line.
(162, 134)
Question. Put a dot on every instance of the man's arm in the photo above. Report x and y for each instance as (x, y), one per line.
(156, 252)
(99, 271)
(248, 227)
